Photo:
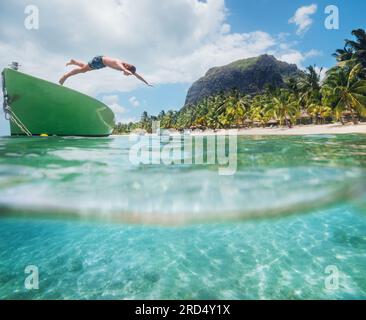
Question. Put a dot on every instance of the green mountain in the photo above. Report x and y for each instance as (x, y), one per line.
(249, 76)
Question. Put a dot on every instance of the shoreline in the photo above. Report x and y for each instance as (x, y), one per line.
(298, 130)
(334, 128)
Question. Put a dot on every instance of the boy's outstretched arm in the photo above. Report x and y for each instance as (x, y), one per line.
(142, 79)
(124, 70)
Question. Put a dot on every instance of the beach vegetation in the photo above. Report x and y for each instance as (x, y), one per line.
(307, 98)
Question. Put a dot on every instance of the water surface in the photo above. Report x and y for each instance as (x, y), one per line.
(98, 226)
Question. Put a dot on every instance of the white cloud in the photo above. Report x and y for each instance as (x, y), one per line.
(297, 57)
(113, 102)
(302, 18)
(117, 109)
(134, 102)
(110, 99)
(169, 41)
(129, 119)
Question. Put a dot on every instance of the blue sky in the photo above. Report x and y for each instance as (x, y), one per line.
(272, 17)
(172, 43)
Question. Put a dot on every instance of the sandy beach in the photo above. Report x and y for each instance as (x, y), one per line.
(335, 128)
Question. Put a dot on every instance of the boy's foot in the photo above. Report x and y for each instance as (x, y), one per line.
(62, 81)
(72, 62)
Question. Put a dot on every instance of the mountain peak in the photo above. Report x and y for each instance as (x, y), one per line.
(249, 76)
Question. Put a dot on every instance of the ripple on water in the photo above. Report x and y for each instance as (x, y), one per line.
(261, 259)
(257, 260)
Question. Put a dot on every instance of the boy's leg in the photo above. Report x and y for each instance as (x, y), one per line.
(84, 69)
(76, 63)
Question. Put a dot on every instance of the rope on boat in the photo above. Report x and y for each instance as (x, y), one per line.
(9, 114)
(18, 122)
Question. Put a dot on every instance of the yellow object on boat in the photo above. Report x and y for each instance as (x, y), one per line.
(44, 135)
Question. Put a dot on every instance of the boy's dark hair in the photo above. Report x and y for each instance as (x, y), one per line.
(130, 68)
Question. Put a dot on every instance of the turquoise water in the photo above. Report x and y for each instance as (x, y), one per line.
(99, 227)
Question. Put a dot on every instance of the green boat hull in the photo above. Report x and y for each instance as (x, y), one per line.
(45, 108)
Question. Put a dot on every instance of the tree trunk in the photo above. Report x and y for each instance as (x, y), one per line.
(354, 120)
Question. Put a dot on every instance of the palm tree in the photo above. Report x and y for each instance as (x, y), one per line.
(256, 114)
(293, 86)
(168, 120)
(348, 90)
(161, 115)
(216, 109)
(344, 54)
(309, 86)
(234, 114)
(186, 117)
(358, 46)
(320, 112)
(284, 107)
(244, 105)
(354, 52)
(145, 121)
(234, 110)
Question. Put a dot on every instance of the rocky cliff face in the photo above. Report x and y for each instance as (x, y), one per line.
(249, 76)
